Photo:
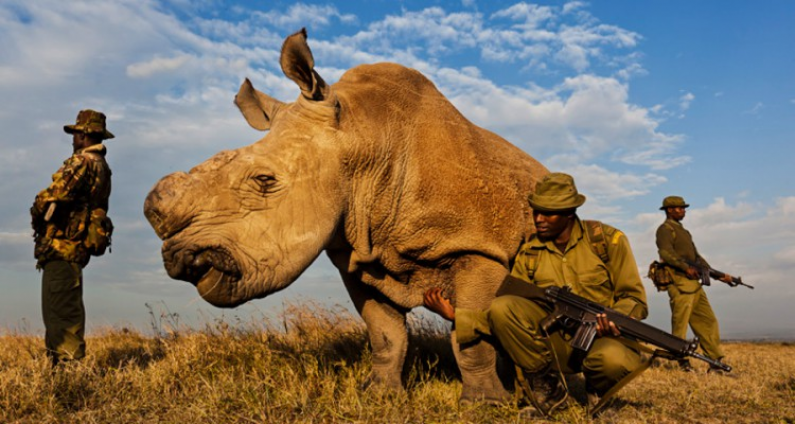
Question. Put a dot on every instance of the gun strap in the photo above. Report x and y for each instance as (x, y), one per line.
(618, 386)
(645, 364)
(596, 237)
(524, 385)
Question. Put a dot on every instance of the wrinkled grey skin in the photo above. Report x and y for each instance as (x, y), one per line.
(380, 171)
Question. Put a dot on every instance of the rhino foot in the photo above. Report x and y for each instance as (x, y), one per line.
(491, 397)
(484, 388)
(382, 380)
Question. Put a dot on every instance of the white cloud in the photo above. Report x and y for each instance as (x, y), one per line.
(573, 6)
(531, 16)
(532, 35)
(685, 100)
(582, 120)
(631, 70)
(756, 109)
(608, 185)
(301, 15)
(156, 65)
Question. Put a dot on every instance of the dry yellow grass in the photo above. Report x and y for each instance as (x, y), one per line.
(307, 367)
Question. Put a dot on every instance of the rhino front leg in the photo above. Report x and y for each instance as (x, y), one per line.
(386, 327)
(475, 285)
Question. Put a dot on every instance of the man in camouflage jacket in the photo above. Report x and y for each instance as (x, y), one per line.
(62, 220)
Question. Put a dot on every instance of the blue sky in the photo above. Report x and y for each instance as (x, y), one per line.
(637, 100)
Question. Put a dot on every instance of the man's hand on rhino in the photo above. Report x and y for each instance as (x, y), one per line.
(435, 302)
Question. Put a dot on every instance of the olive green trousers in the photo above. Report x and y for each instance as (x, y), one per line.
(694, 309)
(514, 321)
(63, 311)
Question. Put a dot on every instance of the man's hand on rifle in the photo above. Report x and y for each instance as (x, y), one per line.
(728, 280)
(435, 302)
(692, 273)
(605, 327)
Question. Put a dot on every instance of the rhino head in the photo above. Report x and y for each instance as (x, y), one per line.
(247, 222)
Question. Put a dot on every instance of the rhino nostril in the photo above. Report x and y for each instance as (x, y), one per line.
(201, 261)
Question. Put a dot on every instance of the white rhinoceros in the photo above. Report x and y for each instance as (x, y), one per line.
(380, 171)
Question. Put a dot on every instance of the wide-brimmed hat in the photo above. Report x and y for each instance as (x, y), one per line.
(556, 192)
(674, 202)
(89, 122)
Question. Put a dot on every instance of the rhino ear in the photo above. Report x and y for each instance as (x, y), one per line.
(299, 65)
(258, 108)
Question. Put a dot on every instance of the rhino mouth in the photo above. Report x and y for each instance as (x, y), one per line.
(213, 270)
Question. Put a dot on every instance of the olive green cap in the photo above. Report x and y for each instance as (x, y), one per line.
(673, 202)
(89, 122)
(556, 192)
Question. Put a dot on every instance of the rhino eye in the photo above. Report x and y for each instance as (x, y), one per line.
(265, 183)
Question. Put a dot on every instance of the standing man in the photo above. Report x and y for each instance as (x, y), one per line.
(596, 262)
(689, 304)
(70, 224)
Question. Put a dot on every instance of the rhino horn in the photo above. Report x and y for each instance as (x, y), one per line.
(299, 65)
(258, 108)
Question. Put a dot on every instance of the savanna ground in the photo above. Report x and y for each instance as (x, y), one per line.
(307, 366)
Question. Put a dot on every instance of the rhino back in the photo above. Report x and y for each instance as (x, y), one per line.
(426, 181)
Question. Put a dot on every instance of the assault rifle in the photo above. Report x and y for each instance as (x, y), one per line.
(706, 273)
(575, 314)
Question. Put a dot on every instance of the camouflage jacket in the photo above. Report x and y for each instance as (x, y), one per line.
(81, 185)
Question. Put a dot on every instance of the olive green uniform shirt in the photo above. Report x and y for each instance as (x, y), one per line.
(688, 300)
(676, 248)
(615, 284)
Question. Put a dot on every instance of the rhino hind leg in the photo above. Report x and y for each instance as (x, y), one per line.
(480, 380)
(475, 278)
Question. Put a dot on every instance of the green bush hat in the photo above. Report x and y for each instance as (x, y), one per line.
(89, 122)
(673, 202)
(556, 192)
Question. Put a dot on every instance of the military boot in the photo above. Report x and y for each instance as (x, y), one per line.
(544, 390)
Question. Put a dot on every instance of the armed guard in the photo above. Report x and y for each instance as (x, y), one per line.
(70, 224)
(592, 259)
(688, 300)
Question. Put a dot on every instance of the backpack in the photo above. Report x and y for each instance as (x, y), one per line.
(659, 273)
(594, 234)
(100, 230)
(99, 227)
